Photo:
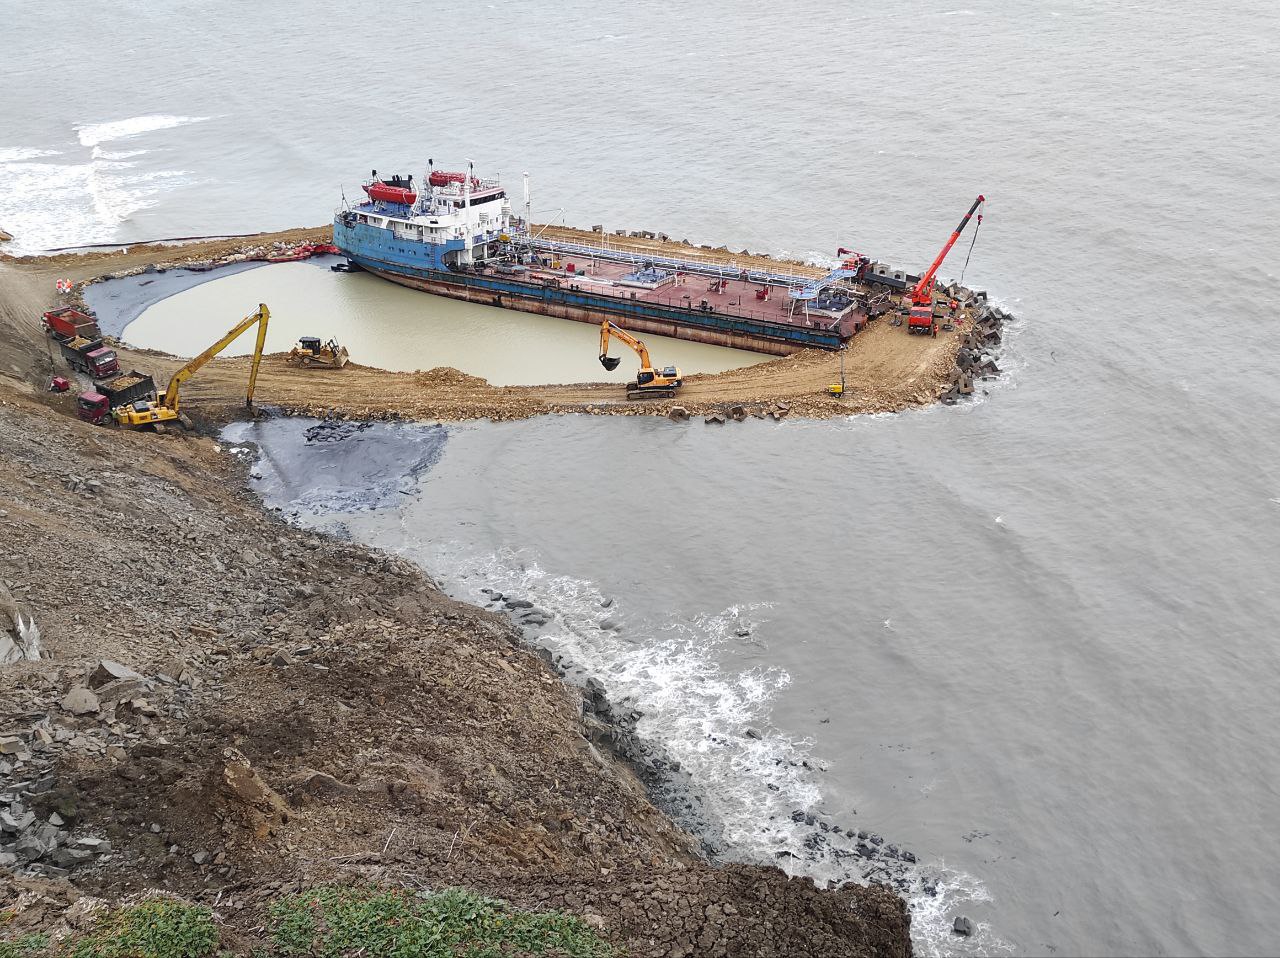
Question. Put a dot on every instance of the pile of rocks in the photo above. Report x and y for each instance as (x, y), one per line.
(738, 412)
(975, 359)
(99, 714)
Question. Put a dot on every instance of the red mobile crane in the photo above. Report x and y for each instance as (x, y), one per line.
(921, 319)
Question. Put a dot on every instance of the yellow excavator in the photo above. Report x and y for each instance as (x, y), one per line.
(164, 408)
(650, 383)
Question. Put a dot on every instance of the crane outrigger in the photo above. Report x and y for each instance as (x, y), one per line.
(165, 408)
(650, 383)
(921, 319)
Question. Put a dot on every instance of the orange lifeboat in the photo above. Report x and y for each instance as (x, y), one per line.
(386, 193)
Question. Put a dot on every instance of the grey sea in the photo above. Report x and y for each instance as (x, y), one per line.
(1033, 640)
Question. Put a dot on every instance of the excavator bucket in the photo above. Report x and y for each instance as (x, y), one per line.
(610, 362)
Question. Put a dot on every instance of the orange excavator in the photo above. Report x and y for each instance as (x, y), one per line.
(921, 319)
(650, 383)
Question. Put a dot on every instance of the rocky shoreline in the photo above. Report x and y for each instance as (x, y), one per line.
(859, 854)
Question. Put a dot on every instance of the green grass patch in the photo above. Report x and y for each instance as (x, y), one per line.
(25, 947)
(337, 921)
(154, 929)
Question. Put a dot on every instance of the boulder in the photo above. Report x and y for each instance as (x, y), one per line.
(14, 822)
(173, 668)
(19, 635)
(244, 784)
(122, 690)
(80, 701)
(678, 414)
(33, 845)
(307, 784)
(108, 671)
(962, 926)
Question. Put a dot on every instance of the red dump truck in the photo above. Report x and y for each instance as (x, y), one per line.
(69, 323)
(95, 405)
(90, 356)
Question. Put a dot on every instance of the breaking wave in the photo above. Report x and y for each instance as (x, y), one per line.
(760, 787)
(50, 198)
(16, 154)
(92, 134)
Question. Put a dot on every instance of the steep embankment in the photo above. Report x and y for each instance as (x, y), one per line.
(230, 708)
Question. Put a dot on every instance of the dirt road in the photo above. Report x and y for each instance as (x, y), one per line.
(885, 369)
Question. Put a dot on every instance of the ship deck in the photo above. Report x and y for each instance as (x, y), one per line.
(734, 298)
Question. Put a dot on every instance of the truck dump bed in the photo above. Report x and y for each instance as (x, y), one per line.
(69, 322)
(128, 387)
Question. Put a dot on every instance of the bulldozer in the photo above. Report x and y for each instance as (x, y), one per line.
(165, 408)
(650, 383)
(309, 351)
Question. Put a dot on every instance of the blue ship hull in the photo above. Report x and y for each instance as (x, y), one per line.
(421, 266)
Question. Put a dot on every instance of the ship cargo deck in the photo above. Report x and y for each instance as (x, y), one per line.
(736, 298)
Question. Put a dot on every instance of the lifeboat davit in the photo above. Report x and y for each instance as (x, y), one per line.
(386, 193)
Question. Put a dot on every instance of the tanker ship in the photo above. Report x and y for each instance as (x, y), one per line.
(459, 238)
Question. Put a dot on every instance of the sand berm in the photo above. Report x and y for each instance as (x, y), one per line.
(229, 709)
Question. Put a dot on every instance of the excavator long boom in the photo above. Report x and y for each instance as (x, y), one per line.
(922, 294)
(260, 316)
(607, 329)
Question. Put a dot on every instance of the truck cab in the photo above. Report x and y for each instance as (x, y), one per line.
(103, 362)
(921, 321)
(92, 406)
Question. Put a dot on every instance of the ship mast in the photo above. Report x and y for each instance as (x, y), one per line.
(469, 239)
(527, 214)
(423, 203)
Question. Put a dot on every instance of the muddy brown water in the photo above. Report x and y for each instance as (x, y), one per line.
(392, 327)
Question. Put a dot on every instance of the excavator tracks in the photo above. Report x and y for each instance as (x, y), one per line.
(651, 393)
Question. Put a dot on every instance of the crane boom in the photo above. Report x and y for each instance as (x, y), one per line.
(260, 316)
(922, 294)
(607, 329)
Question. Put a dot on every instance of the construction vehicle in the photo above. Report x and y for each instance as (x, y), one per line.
(837, 389)
(165, 408)
(650, 383)
(90, 356)
(69, 323)
(95, 405)
(309, 351)
(921, 319)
